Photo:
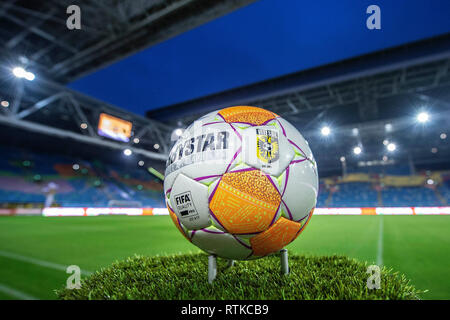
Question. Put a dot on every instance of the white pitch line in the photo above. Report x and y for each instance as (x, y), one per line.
(380, 243)
(16, 293)
(38, 262)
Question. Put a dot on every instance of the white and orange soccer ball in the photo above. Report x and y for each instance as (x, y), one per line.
(241, 183)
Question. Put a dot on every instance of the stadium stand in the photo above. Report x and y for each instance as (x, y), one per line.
(354, 195)
(389, 187)
(398, 170)
(416, 196)
(323, 195)
(27, 178)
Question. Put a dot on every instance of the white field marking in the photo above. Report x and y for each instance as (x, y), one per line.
(16, 293)
(38, 262)
(380, 243)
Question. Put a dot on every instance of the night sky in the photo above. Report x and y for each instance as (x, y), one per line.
(266, 39)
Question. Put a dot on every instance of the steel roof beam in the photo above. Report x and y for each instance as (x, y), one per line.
(39, 105)
(35, 127)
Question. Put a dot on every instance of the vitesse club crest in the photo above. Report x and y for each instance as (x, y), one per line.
(267, 147)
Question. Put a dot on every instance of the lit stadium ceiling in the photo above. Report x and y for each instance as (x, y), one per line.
(35, 37)
(364, 93)
(111, 30)
(363, 101)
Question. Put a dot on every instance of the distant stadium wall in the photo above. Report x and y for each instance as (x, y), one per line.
(21, 211)
(89, 212)
(388, 180)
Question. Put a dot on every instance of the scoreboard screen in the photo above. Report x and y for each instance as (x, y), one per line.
(114, 128)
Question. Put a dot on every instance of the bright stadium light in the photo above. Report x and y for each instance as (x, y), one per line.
(20, 72)
(388, 127)
(178, 132)
(443, 136)
(391, 147)
(141, 163)
(156, 146)
(325, 131)
(423, 117)
(430, 181)
(385, 142)
(136, 140)
(342, 159)
(355, 131)
(127, 152)
(83, 125)
(5, 104)
(357, 150)
(29, 76)
(76, 166)
(385, 158)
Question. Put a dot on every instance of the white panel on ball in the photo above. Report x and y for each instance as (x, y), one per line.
(301, 191)
(295, 136)
(221, 244)
(255, 141)
(189, 200)
(203, 152)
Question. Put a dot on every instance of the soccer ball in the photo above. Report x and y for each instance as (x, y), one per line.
(241, 183)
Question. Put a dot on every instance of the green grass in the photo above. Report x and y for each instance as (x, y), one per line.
(417, 246)
(184, 277)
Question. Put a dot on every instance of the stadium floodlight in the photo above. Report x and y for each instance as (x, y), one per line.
(385, 142)
(20, 72)
(5, 104)
(156, 146)
(391, 147)
(385, 158)
(443, 136)
(141, 163)
(127, 152)
(136, 140)
(430, 181)
(29, 76)
(179, 131)
(388, 127)
(423, 117)
(83, 125)
(76, 166)
(325, 131)
(357, 150)
(342, 159)
(355, 131)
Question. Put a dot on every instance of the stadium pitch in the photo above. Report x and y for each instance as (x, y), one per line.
(34, 251)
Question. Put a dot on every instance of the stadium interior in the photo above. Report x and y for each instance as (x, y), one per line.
(377, 123)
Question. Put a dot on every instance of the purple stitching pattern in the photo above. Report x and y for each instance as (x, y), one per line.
(234, 158)
(207, 177)
(241, 242)
(289, 211)
(212, 231)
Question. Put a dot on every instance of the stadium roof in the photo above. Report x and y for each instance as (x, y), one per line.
(111, 30)
(264, 40)
(364, 101)
(36, 39)
(365, 91)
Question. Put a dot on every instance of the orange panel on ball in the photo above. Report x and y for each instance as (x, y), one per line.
(175, 220)
(245, 202)
(247, 114)
(276, 237)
